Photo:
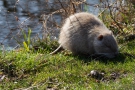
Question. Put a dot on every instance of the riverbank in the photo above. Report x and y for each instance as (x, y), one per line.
(21, 69)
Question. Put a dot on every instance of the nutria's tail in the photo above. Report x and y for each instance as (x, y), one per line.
(57, 50)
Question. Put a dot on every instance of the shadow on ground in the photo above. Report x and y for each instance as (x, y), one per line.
(120, 58)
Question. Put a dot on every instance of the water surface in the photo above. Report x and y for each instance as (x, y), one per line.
(25, 14)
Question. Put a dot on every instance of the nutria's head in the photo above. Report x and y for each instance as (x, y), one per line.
(105, 44)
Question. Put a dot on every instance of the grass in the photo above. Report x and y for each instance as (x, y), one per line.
(35, 71)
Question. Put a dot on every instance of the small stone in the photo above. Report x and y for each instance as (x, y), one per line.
(94, 73)
(97, 75)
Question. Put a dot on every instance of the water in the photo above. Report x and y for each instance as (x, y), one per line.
(26, 14)
(92, 8)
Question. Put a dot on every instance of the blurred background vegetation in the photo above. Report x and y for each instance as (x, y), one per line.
(45, 18)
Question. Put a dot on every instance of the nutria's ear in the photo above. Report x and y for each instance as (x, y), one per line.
(100, 37)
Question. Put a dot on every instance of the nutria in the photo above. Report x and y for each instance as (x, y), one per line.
(84, 33)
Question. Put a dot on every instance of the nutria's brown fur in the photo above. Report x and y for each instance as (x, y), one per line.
(84, 33)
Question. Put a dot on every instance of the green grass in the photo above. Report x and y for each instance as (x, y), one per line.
(35, 71)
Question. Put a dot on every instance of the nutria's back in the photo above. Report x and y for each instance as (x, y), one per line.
(84, 33)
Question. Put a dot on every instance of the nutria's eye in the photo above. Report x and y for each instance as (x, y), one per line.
(100, 37)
